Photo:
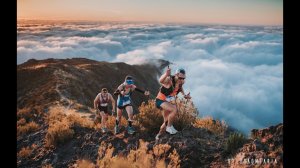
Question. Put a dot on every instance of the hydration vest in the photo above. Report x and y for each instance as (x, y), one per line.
(165, 92)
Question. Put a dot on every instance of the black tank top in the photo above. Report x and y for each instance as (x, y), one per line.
(104, 100)
(168, 91)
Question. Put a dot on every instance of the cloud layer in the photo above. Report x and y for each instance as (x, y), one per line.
(234, 73)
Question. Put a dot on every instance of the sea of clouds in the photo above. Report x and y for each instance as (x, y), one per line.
(234, 73)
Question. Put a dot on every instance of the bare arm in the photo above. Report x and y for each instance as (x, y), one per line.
(96, 101)
(163, 78)
(118, 91)
(113, 102)
(184, 95)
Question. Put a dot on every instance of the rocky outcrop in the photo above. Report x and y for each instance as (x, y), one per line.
(265, 150)
(196, 147)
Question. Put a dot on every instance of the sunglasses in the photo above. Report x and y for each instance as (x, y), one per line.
(130, 81)
(180, 78)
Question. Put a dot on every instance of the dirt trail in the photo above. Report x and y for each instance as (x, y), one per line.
(62, 77)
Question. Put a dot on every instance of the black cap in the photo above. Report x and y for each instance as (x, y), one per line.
(180, 70)
(128, 77)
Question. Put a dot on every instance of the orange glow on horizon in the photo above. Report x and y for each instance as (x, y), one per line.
(223, 12)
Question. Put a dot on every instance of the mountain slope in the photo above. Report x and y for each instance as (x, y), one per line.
(55, 128)
(76, 82)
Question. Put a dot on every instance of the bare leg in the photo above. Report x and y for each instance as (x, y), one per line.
(97, 119)
(103, 121)
(129, 112)
(164, 125)
(168, 110)
(118, 120)
(172, 109)
(119, 115)
(105, 118)
(130, 128)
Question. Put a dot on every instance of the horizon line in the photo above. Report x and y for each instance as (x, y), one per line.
(148, 22)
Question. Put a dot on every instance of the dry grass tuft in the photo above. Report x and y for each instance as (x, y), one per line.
(26, 128)
(235, 141)
(28, 114)
(25, 152)
(215, 126)
(150, 118)
(161, 150)
(58, 133)
(21, 122)
(47, 166)
(24, 113)
(83, 163)
(174, 159)
(187, 114)
(111, 122)
(141, 157)
(60, 125)
(75, 119)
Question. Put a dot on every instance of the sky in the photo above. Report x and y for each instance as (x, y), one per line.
(241, 12)
(234, 73)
